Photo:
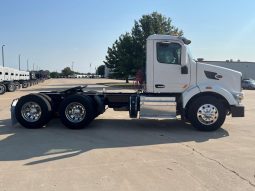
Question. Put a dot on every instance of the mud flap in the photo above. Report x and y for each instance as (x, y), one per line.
(13, 116)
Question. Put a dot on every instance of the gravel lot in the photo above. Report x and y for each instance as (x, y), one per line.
(117, 153)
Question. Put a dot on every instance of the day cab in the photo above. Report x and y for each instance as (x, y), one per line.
(176, 85)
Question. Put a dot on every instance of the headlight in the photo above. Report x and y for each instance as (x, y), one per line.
(239, 96)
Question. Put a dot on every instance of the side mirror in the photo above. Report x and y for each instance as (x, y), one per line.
(184, 69)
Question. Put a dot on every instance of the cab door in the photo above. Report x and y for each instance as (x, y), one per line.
(171, 71)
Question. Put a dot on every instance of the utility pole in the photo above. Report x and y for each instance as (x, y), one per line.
(33, 66)
(27, 65)
(3, 54)
(19, 61)
(72, 65)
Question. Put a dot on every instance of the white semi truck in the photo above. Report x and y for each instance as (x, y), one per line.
(6, 80)
(12, 79)
(176, 85)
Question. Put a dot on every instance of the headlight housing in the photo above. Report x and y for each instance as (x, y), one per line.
(239, 96)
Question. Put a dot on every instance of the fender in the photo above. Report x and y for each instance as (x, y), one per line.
(100, 104)
(189, 93)
(221, 91)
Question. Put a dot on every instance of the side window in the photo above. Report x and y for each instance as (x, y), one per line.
(6, 73)
(169, 53)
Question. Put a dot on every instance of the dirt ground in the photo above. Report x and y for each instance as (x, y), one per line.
(118, 153)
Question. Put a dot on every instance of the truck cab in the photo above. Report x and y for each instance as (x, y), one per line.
(167, 58)
(170, 69)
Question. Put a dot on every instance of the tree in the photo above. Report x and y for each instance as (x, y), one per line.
(54, 74)
(120, 58)
(67, 72)
(100, 70)
(128, 54)
(154, 23)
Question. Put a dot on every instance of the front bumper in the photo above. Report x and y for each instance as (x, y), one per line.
(237, 111)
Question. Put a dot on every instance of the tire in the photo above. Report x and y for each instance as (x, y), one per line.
(207, 113)
(85, 107)
(99, 105)
(24, 84)
(40, 104)
(46, 97)
(2, 89)
(17, 84)
(11, 87)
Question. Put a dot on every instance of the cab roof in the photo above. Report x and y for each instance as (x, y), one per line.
(169, 37)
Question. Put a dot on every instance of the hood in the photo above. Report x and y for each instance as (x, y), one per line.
(216, 75)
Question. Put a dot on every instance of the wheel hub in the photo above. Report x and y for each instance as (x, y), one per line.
(31, 111)
(75, 112)
(207, 114)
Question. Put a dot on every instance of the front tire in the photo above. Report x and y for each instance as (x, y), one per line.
(207, 113)
(77, 111)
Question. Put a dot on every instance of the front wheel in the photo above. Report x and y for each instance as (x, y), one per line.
(207, 113)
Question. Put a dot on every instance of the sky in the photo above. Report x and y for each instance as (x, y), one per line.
(53, 34)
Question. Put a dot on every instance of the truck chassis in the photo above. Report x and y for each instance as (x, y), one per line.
(77, 107)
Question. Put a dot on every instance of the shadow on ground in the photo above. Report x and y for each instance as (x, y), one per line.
(18, 143)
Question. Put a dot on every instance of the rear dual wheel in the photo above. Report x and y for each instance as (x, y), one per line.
(77, 111)
(33, 111)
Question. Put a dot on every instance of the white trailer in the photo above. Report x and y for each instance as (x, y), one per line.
(7, 77)
(176, 85)
(2, 85)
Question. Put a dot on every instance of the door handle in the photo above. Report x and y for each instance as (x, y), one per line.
(159, 86)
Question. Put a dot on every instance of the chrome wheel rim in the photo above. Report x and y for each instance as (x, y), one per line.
(31, 112)
(75, 112)
(207, 114)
